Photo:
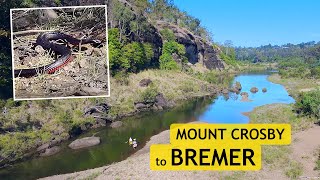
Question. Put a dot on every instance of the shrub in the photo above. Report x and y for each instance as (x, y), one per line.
(294, 170)
(44, 103)
(166, 59)
(131, 57)
(315, 72)
(2, 103)
(173, 47)
(11, 103)
(167, 35)
(228, 59)
(138, 55)
(122, 78)
(148, 50)
(115, 55)
(149, 95)
(167, 62)
(211, 77)
(309, 103)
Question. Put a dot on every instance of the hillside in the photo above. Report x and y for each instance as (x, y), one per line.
(148, 42)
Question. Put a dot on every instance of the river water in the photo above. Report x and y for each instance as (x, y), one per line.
(113, 147)
(230, 110)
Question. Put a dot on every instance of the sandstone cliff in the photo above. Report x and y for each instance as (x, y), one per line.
(198, 51)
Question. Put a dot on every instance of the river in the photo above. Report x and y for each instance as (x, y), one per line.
(113, 147)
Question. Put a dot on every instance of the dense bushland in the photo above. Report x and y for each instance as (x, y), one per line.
(308, 103)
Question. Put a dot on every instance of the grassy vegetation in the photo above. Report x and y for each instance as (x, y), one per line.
(275, 157)
(175, 86)
(28, 124)
(235, 176)
(295, 85)
(270, 114)
(299, 69)
(294, 170)
(243, 67)
(308, 104)
(317, 166)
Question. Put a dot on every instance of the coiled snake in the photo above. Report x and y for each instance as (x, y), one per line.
(45, 40)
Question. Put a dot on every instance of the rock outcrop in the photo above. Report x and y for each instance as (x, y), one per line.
(85, 142)
(116, 124)
(197, 50)
(159, 103)
(264, 90)
(100, 113)
(254, 90)
(51, 151)
(145, 82)
(225, 91)
(236, 88)
(43, 147)
(245, 97)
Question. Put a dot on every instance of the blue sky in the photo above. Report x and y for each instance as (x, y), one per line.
(257, 22)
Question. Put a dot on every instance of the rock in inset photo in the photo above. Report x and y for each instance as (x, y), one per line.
(60, 52)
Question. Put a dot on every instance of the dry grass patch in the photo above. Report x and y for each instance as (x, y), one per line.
(174, 85)
(295, 85)
(270, 114)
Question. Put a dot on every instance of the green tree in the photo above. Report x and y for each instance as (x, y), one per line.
(138, 55)
(167, 35)
(309, 103)
(117, 63)
(122, 15)
(169, 48)
(5, 48)
(167, 62)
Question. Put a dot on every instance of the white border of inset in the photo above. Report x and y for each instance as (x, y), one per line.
(63, 7)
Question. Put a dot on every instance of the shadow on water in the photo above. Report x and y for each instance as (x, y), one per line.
(112, 148)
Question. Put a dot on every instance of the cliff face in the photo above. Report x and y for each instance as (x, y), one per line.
(198, 51)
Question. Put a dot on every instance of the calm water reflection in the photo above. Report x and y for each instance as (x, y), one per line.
(112, 148)
(230, 111)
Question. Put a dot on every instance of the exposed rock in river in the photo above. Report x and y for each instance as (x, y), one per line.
(85, 142)
(51, 151)
(264, 90)
(254, 90)
(225, 91)
(116, 124)
(43, 147)
(236, 88)
(245, 97)
(159, 103)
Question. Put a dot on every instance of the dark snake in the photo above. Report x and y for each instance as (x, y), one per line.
(45, 40)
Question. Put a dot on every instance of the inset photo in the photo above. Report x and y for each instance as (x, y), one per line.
(60, 52)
